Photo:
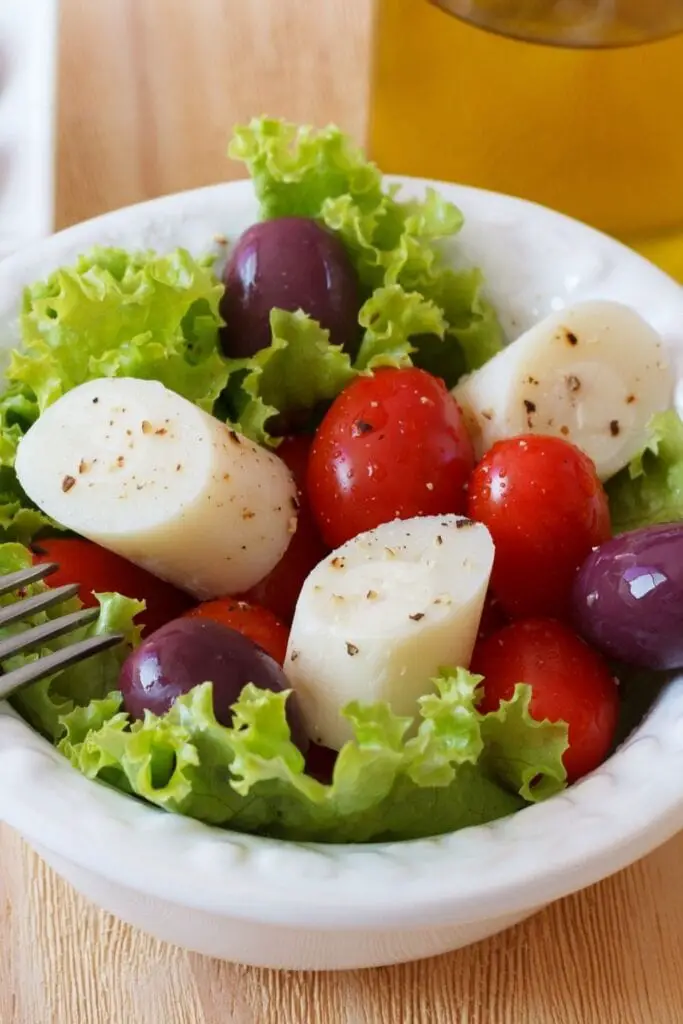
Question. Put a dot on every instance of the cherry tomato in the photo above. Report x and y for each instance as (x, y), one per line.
(258, 624)
(546, 509)
(570, 682)
(98, 571)
(391, 446)
(280, 589)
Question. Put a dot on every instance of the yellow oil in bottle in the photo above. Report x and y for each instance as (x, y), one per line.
(595, 133)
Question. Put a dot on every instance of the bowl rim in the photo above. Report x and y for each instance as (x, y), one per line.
(627, 807)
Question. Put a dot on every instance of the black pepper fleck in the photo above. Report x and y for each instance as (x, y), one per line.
(67, 483)
(462, 523)
(351, 649)
(614, 428)
(573, 383)
(417, 616)
(571, 338)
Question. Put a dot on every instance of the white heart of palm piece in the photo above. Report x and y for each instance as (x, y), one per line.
(593, 374)
(147, 474)
(382, 614)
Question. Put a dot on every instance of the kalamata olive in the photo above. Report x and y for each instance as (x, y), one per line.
(628, 597)
(187, 652)
(290, 263)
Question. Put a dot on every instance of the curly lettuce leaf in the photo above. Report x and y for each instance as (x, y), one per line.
(525, 754)
(394, 321)
(650, 489)
(389, 782)
(417, 309)
(43, 703)
(296, 169)
(297, 372)
(122, 314)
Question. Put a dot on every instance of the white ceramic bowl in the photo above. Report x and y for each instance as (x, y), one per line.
(278, 904)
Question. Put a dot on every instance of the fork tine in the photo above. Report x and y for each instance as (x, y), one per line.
(38, 603)
(22, 578)
(35, 670)
(47, 631)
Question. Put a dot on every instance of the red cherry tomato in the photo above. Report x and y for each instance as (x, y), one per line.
(259, 624)
(279, 590)
(391, 446)
(570, 682)
(98, 571)
(546, 509)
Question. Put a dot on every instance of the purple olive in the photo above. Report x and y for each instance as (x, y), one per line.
(628, 597)
(187, 652)
(290, 263)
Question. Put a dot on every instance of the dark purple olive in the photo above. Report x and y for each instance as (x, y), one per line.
(628, 597)
(187, 652)
(291, 263)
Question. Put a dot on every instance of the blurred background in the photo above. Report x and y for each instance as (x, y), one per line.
(573, 103)
(150, 89)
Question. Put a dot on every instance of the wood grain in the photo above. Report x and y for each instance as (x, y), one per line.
(148, 92)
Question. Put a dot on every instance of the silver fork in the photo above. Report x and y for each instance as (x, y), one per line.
(15, 680)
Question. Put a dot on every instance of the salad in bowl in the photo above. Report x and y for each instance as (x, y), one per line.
(396, 548)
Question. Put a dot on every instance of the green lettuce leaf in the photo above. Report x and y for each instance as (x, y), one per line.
(389, 782)
(296, 169)
(650, 489)
(394, 322)
(301, 371)
(297, 372)
(522, 753)
(417, 310)
(43, 703)
(121, 314)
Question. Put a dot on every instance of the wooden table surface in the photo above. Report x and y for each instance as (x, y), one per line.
(148, 92)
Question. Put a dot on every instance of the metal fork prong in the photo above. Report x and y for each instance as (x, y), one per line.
(18, 678)
(38, 603)
(47, 631)
(24, 577)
